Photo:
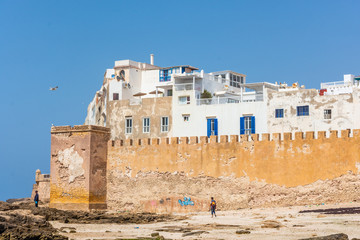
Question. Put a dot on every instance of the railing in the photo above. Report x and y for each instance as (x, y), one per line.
(334, 84)
(188, 74)
(227, 100)
(184, 87)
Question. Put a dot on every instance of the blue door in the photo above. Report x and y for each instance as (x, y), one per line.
(212, 127)
(247, 125)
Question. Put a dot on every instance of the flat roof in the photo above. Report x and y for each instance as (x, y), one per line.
(228, 71)
(258, 85)
(187, 66)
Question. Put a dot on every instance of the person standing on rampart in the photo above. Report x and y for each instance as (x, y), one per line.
(36, 198)
(212, 207)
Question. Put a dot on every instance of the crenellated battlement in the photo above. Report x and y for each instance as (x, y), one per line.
(289, 159)
(266, 137)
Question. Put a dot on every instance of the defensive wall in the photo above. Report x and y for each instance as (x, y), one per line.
(181, 174)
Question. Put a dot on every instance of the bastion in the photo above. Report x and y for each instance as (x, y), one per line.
(78, 167)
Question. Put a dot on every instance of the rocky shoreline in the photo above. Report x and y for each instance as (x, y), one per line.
(20, 219)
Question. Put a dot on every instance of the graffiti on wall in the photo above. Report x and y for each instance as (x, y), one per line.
(187, 201)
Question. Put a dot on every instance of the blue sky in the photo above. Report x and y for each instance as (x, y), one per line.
(71, 43)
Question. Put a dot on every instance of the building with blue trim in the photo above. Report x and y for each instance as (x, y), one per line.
(141, 100)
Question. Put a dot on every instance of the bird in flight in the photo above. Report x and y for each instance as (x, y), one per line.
(53, 88)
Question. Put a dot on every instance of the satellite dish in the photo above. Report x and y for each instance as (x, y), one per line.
(122, 75)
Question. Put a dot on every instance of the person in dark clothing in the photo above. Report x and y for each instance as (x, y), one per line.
(36, 199)
(212, 207)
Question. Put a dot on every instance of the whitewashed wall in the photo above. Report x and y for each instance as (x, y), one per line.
(150, 79)
(228, 116)
(115, 87)
(344, 111)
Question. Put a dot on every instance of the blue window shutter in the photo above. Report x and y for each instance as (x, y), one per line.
(252, 124)
(208, 127)
(216, 126)
(242, 126)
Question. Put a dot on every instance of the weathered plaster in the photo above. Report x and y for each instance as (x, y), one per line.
(78, 167)
(284, 165)
(343, 111)
(153, 108)
(71, 160)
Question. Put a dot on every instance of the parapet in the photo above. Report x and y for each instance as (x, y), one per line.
(79, 128)
(225, 139)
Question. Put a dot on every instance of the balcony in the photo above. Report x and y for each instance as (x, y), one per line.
(228, 100)
(184, 87)
(187, 87)
(335, 84)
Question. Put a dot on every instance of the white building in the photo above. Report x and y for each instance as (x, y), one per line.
(188, 102)
(341, 87)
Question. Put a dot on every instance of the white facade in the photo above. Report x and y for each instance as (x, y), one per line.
(325, 113)
(349, 83)
(222, 103)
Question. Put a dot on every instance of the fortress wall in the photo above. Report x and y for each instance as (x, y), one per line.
(156, 174)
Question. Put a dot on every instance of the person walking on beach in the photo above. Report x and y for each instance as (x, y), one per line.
(212, 207)
(36, 198)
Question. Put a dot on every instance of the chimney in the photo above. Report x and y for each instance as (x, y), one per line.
(152, 59)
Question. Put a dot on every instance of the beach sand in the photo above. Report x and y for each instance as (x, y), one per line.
(259, 223)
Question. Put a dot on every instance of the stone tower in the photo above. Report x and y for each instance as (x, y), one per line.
(78, 167)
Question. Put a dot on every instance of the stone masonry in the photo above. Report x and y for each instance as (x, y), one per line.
(180, 174)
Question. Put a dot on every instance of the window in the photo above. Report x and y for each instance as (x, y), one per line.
(302, 110)
(186, 118)
(169, 92)
(327, 114)
(146, 125)
(164, 124)
(230, 100)
(212, 127)
(128, 125)
(184, 100)
(115, 96)
(235, 80)
(279, 113)
(247, 125)
(165, 75)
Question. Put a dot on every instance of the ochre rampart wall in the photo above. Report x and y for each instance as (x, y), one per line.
(154, 174)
